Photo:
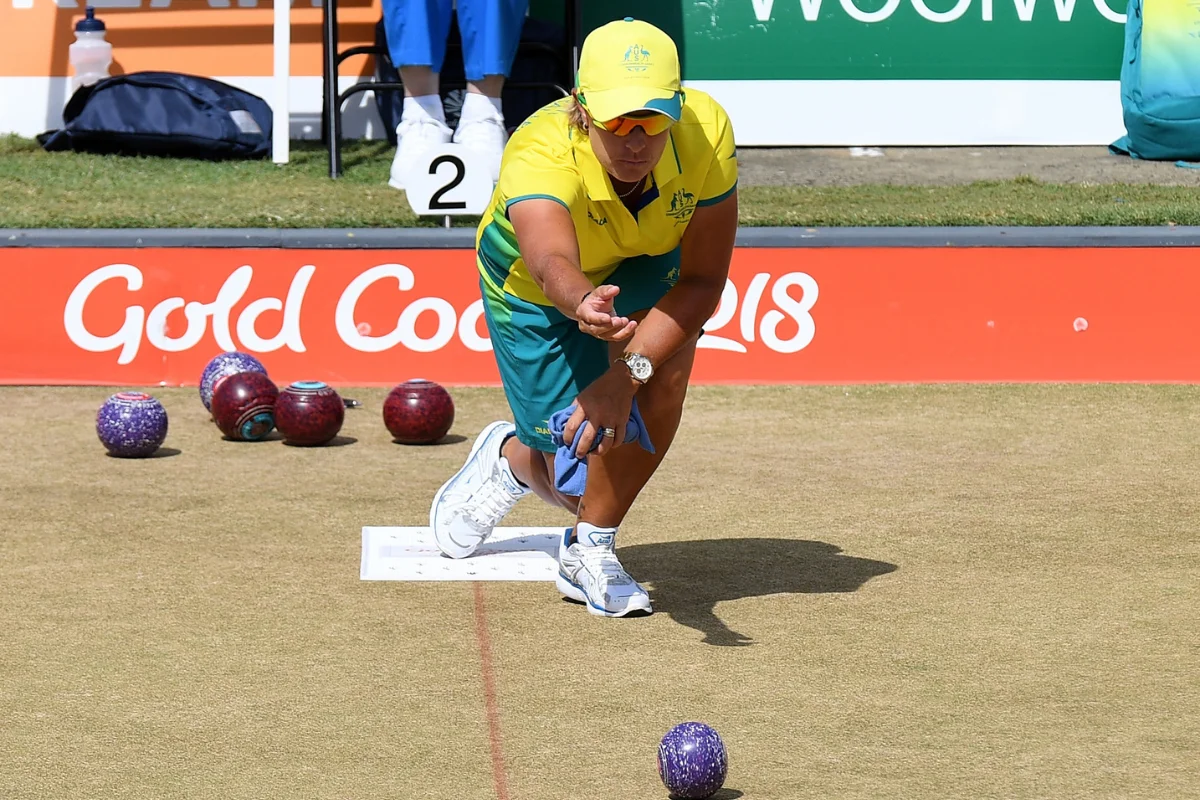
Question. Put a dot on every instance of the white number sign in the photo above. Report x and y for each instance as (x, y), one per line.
(449, 180)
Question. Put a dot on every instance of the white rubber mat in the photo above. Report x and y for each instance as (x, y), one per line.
(409, 554)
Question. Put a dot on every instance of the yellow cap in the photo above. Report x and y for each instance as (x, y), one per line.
(628, 66)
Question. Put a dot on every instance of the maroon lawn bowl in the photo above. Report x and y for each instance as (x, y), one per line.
(243, 406)
(309, 413)
(418, 412)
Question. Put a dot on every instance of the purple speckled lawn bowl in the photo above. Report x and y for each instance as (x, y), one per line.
(221, 366)
(131, 424)
(692, 761)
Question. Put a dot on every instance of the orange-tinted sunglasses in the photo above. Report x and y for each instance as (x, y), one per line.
(652, 122)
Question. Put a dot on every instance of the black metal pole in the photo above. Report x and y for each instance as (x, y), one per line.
(332, 113)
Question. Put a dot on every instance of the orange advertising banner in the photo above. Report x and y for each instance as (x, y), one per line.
(200, 37)
(155, 316)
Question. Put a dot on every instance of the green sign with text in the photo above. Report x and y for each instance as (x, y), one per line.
(764, 40)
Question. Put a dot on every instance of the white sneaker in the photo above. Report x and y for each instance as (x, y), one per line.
(589, 572)
(487, 137)
(470, 505)
(416, 135)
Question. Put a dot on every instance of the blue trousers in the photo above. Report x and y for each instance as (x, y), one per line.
(491, 30)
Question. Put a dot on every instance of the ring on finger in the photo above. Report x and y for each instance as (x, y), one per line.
(608, 433)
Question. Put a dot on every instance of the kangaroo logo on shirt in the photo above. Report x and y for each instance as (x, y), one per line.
(637, 58)
(683, 203)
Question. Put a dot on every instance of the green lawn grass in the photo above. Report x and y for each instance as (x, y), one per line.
(73, 190)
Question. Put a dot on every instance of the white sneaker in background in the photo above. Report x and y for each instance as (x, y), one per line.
(486, 136)
(416, 135)
(471, 504)
(590, 573)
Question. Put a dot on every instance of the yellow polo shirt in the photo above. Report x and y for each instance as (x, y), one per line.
(548, 158)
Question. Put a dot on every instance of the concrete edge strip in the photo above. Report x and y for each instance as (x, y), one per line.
(464, 238)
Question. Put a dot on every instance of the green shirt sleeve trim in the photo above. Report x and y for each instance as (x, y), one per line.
(515, 200)
(712, 201)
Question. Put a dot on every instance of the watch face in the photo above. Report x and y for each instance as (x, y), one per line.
(640, 367)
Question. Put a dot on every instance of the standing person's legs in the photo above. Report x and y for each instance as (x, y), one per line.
(416, 34)
(491, 32)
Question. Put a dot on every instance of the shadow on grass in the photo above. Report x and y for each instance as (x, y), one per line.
(273, 436)
(365, 153)
(451, 438)
(690, 578)
(337, 441)
(162, 452)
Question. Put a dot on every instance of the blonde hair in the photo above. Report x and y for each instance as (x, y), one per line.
(576, 115)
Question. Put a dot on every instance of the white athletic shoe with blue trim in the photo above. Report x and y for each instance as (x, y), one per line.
(470, 505)
(589, 573)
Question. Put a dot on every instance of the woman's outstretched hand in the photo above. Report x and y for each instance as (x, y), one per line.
(597, 315)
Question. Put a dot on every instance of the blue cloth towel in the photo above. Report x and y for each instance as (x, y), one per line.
(570, 471)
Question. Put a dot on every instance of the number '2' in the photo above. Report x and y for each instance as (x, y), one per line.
(436, 203)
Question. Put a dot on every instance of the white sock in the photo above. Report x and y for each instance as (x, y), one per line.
(585, 529)
(479, 107)
(504, 462)
(429, 105)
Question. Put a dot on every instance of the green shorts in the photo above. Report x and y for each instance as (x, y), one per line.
(545, 361)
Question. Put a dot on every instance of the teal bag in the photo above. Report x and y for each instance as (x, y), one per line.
(1160, 82)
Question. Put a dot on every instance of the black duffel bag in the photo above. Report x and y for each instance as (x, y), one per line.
(164, 114)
